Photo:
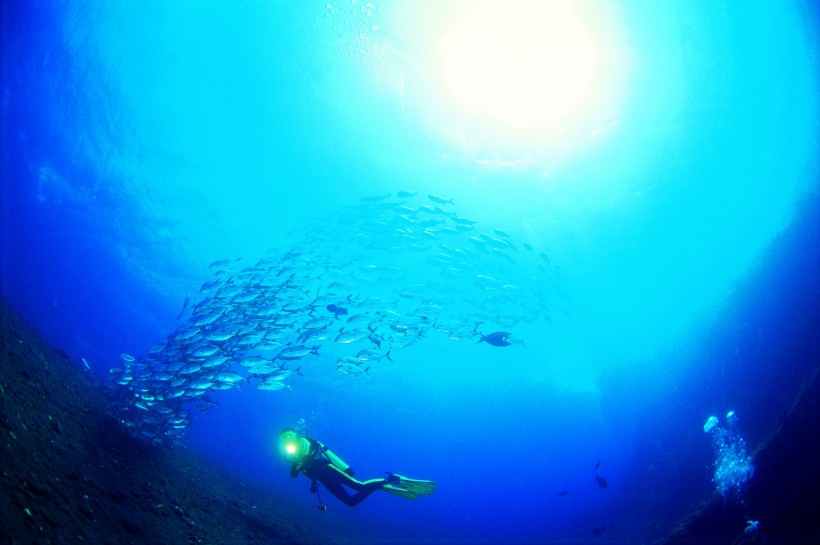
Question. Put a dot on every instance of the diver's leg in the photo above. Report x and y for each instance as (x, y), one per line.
(363, 489)
(339, 491)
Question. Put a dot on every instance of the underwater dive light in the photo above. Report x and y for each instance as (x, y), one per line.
(289, 443)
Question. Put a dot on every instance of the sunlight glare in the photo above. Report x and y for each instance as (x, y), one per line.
(519, 66)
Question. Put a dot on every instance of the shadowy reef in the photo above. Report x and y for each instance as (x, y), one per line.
(781, 504)
(72, 474)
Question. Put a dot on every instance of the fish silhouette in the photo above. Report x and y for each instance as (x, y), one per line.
(336, 309)
(598, 479)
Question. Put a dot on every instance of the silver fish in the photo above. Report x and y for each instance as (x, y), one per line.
(272, 385)
(439, 200)
(352, 336)
(347, 368)
(296, 352)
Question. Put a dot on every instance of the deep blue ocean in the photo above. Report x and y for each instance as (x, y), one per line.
(625, 191)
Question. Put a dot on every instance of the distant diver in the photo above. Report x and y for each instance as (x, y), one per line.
(321, 465)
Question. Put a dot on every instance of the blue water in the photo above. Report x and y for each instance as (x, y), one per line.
(676, 208)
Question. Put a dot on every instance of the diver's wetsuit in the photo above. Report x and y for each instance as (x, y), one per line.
(320, 465)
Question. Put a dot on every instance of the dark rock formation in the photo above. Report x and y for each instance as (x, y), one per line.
(72, 474)
(783, 495)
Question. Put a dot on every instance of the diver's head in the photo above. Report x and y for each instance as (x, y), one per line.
(292, 445)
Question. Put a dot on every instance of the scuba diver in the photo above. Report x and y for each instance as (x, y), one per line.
(321, 465)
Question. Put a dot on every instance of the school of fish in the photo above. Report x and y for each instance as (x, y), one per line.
(349, 292)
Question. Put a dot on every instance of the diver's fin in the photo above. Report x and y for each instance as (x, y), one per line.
(417, 486)
(403, 492)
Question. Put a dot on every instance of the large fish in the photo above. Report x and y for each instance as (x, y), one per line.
(496, 338)
(336, 309)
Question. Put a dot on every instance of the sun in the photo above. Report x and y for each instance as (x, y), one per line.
(521, 66)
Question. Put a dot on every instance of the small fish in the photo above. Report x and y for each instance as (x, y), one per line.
(368, 354)
(262, 370)
(317, 323)
(245, 297)
(598, 532)
(358, 319)
(252, 361)
(562, 493)
(598, 479)
(272, 385)
(184, 306)
(189, 369)
(405, 194)
(267, 345)
(296, 352)
(206, 406)
(752, 527)
(201, 384)
(209, 286)
(284, 374)
(318, 334)
(374, 199)
(352, 367)
(214, 361)
(464, 221)
(439, 200)
(228, 377)
(206, 351)
(218, 336)
(205, 320)
(348, 337)
(375, 339)
(222, 263)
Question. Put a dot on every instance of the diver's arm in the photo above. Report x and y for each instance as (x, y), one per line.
(295, 468)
